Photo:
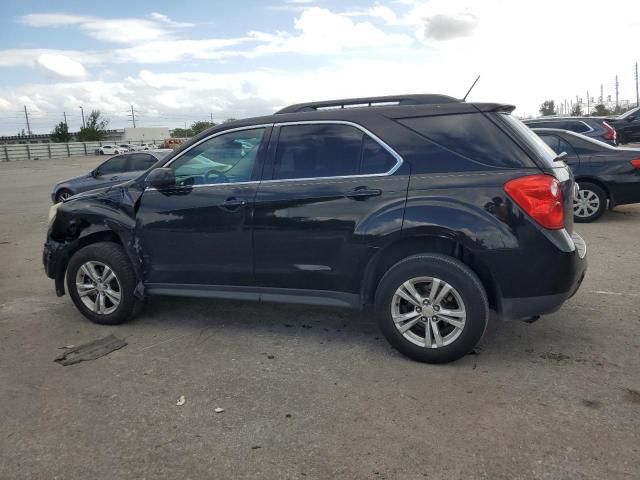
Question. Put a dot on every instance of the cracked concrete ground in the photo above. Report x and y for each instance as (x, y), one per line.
(310, 392)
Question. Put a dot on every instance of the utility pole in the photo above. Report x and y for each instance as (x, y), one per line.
(617, 90)
(64, 114)
(211, 113)
(602, 93)
(26, 115)
(133, 116)
(637, 94)
(82, 111)
(588, 105)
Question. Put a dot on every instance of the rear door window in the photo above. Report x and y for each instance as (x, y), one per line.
(114, 165)
(317, 150)
(473, 136)
(561, 124)
(140, 162)
(578, 126)
(375, 158)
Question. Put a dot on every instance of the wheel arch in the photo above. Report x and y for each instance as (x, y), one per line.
(89, 237)
(405, 247)
(596, 181)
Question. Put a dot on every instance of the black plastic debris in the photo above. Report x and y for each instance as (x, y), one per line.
(90, 351)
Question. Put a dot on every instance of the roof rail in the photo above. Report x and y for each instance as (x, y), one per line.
(424, 99)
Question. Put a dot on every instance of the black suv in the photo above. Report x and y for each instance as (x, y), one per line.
(594, 127)
(424, 209)
(627, 126)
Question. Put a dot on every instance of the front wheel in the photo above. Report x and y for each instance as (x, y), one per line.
(590, 203)
(432, 308)
(101, 283)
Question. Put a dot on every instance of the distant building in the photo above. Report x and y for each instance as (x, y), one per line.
(124, 135)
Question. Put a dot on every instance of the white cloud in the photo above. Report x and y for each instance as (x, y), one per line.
(61, 66)
(321, 31)
(444, 27)
(388, 49)
(117, 30)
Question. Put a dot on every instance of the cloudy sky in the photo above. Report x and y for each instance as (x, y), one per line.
(177, 62)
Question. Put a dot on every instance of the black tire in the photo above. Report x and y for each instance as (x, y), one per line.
(62, 194)
(101, 152)
(457, 275)
(112, 255)
(602, 205)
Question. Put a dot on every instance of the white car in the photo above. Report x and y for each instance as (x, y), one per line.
(111, 150)
(148, 146)
(127, 147)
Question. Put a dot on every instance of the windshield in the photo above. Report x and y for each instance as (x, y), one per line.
(530, 139)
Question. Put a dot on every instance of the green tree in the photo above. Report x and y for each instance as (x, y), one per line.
(181, 133)
(197, 127)
(548, 107)
(600, 110)
(61, 133)
(94, 129)
(576, 111)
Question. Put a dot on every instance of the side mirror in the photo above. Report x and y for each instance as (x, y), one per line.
(95, 173)
(161, 178)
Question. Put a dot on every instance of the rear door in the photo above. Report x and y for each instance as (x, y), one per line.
(327, 187)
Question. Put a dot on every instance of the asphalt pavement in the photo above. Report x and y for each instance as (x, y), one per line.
(310, 392)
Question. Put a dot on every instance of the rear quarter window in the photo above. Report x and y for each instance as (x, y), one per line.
(472, 136)
(578, 126)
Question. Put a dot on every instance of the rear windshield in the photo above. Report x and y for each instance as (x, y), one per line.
(532, 141)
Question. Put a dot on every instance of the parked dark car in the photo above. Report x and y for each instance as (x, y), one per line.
(425, 209)
(627, 126)
(117, 169)
(594, 127)
(605, 174)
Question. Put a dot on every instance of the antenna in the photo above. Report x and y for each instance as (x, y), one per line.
(471, 88)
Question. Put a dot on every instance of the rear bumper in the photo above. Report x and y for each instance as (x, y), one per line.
(520, 308)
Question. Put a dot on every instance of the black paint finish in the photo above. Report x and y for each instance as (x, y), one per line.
(334, 238)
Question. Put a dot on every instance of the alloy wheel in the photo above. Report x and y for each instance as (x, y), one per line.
(428, 312)
(98, 287)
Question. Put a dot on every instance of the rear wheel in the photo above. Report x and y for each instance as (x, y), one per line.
(101, 283)
(432, 308)
(590, 203)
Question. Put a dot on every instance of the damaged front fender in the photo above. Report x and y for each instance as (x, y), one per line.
(107, 214)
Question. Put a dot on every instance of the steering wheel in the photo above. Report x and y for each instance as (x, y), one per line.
(213, 175)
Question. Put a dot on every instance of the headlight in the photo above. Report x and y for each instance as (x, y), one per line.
(52, 212)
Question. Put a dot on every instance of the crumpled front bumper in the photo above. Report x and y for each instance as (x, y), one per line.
(55, 256)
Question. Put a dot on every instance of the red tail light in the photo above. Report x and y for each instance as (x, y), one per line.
(636, 163)
(609, 133)
(540, 197)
